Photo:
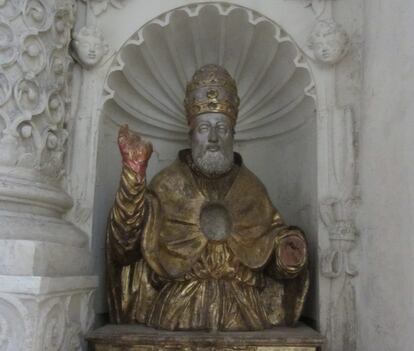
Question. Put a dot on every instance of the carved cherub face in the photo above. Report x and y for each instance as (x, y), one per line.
(90, 46)
(329, 42)
(212, 143)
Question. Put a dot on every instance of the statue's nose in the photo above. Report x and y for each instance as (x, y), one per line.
(212, 135)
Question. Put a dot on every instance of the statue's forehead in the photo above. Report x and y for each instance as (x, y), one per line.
(90, 38)
(213, 118)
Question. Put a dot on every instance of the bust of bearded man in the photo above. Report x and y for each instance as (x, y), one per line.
(201, 247)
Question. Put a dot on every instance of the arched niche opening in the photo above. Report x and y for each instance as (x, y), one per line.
(276, 131)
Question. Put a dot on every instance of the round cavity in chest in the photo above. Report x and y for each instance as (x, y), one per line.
(215, 222)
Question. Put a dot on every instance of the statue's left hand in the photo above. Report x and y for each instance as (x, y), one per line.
(292, 250)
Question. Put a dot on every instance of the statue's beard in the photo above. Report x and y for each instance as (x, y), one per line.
(212, 163)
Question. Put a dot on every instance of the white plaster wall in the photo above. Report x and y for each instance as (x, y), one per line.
(289, 172)
(386, 220)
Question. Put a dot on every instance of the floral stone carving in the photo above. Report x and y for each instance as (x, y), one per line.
(100, 6)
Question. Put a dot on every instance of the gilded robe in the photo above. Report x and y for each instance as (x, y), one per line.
(164, 271)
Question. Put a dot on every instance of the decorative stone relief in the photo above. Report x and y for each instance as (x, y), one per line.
(328, 41)
(58, 66)
(35, 100)
(34, 93)
(61, 323)
(5, 89)
(337, 217)
(14, 324)
(89, 46)
(100, 6)
(36, 15)
(10, 8)
(63, 21)
(28, 96)
(33, 55)
(73, 337)
(53, 154)
(337, 213)
(52, 318)
(8, 45)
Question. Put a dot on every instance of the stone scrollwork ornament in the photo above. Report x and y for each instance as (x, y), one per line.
(10, 9)
(36, 15)
(100, 6)
(4, 332)
(59, 64)
(8, 45)
(63, 22)
(336, 216)
(13, 324)
(34, 78)
(52, 156)
(336, 266)
(34, 118)
(5, 88)
(33, 55)
(328, 41)
(9, 148)
(28, 96)
(56, 108)
(89, 46)
(53, 318)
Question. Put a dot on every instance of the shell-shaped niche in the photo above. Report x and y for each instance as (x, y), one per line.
(146, 84)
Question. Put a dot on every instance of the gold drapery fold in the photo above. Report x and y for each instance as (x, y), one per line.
(124, 231)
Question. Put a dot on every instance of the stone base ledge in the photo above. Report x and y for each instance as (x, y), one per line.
(45, 313)
(142, 338)
(14, 284)
(39, 258)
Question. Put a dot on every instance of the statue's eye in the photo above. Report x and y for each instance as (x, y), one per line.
(221, 128)
(203, 128)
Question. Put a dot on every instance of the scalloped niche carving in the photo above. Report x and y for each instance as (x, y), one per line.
(276, 128)
(146, 83)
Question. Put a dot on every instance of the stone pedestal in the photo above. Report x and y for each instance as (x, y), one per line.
(45, 313)
(46, 267)
(141, 338)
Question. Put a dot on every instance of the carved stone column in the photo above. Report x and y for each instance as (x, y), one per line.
(45, 284)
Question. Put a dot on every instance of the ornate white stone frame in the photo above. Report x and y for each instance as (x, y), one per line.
(335, 145)
(35, 182)
(335, 155)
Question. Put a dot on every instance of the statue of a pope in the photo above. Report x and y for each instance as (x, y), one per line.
(201, 247)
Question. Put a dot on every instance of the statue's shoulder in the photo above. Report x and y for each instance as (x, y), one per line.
(171, 178)
(248, 180)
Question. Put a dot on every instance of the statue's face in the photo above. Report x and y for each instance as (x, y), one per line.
(212, 143)
(329, 48)
(90, 50)
(329, 42)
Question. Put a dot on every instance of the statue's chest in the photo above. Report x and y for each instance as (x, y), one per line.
(215, 221)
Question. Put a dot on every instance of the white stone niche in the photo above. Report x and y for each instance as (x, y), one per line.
(276, 131)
